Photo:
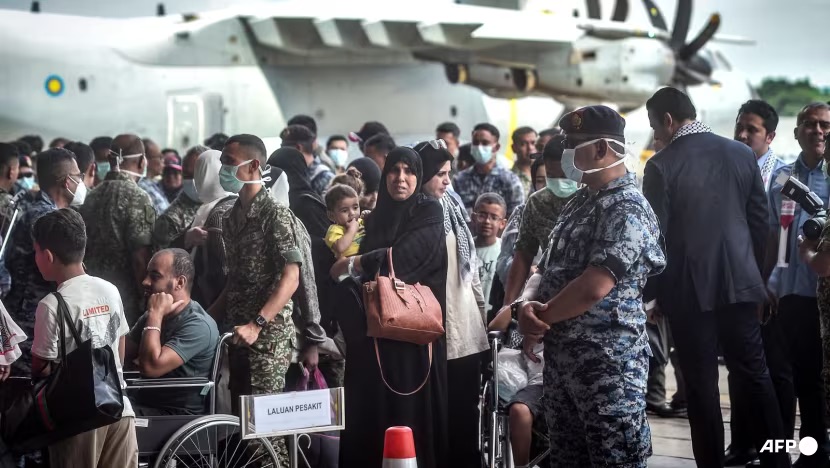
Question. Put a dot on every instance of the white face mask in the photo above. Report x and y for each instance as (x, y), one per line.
(79, 195)
(569, 164)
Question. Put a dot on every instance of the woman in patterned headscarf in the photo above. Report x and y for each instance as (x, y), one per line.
(466, 332)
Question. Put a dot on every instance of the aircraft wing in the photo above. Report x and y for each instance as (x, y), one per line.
(452, 33)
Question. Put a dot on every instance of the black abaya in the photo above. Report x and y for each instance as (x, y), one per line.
(419, 255)
(304, 202)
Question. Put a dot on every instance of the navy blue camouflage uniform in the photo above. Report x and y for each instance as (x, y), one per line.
(29, 285)
(596, 365)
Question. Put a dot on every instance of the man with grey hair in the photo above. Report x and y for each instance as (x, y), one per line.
(174, 338)
(171, 226)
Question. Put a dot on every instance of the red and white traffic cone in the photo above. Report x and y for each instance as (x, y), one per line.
(399, 448)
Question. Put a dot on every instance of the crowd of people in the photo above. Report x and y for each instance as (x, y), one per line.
(598, 278)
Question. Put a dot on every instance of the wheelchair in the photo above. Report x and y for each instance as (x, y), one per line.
(494, 420)
(204, 441)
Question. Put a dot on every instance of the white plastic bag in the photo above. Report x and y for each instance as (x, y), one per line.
(512, 375)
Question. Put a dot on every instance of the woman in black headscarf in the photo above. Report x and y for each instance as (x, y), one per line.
(413, 224)
(370, 173)
(302, 199)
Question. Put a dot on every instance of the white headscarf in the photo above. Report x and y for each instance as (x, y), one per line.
(279, 191)
(210, 191)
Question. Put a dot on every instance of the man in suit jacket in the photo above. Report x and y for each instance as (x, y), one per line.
(708, 195)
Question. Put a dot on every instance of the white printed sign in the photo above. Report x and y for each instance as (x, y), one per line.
(296, 410)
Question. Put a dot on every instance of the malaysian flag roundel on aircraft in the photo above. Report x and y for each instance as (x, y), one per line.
(54, 85)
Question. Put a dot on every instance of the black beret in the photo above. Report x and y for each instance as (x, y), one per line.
(594, 121)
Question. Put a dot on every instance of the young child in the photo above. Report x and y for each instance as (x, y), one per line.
(345, 235)
(353, 178)
(489, 220)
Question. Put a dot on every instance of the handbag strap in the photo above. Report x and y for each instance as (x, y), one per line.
(391, 267)
(63, 310)
(380, 367)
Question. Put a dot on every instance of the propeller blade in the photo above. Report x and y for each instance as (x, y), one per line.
(655, 16)
(682, 19)
(690, 75)
(593, 9)
(705, 35)
(620, 11)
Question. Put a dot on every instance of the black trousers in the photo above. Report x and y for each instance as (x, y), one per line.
(463, 386)
(792, 342)
(737, 329)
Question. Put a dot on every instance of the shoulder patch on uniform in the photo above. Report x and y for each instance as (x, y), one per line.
(149, 214)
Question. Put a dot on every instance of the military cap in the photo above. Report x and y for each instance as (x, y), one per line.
(594, 121)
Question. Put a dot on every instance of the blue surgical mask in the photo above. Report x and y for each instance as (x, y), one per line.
(338, 156)
(28, 183)
(482, 154)
(102, 169)
(562, 188)
(569, 164)
(229, 181)
(189, 189)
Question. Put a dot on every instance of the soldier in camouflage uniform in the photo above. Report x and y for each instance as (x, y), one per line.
(172, 225)
(604, 246)
(119, 219)
(59, 179)
(538, 218)
(264, 270)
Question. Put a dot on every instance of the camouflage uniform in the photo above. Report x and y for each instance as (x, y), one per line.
(538, 219)
(259, 243)
(523, 178)
(823, 294)
(119, 219)
(30, 287)
(174, 221)
(596, 365)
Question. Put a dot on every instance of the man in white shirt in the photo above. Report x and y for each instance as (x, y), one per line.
(98, 314)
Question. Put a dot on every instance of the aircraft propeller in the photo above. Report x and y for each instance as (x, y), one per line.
(691, 68)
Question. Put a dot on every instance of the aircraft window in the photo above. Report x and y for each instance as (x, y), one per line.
(82, 84)
(625, 79)
(453, 111)
(579, 82)
(589, 55)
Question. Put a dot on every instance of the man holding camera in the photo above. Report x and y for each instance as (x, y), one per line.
(792, 336)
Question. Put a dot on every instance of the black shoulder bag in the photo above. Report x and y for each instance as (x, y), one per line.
(82, 393)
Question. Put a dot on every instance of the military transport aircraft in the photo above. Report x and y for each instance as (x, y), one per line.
(180, 78)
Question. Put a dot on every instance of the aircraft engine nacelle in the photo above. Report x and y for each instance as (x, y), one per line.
(625, 71)
(494, 81)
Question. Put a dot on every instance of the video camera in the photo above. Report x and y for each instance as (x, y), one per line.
(796, 191)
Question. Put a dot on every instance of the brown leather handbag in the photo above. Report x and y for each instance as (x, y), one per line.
(399, 311)
(402, 312)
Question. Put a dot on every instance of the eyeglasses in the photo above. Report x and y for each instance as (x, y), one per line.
(482, 217)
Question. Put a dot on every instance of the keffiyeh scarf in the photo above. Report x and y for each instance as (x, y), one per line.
(454, 221)
(691, 129)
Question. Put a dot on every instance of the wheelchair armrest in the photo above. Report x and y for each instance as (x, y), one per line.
(179, 382)
(496, 335)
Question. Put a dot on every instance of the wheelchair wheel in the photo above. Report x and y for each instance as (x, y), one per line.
(214, 441)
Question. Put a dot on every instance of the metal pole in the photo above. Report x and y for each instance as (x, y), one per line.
(295, 462)
(8, 233)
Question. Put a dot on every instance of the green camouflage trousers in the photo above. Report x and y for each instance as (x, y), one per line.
(260, 370)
